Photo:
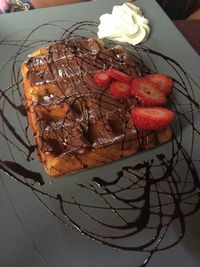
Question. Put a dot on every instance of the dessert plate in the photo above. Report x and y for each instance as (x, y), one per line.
(138, 211)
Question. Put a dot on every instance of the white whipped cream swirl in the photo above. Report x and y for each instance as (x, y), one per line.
(125, 24)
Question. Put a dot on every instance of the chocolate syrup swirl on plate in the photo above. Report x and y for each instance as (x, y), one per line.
(132, 204)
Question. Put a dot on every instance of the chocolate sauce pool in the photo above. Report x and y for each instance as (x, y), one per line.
(134, 208)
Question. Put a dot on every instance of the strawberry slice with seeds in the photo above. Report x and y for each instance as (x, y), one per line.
(101, 78)
(119, 75)
(151, 118)
(164, 82)
(147, 92)
(120, 89)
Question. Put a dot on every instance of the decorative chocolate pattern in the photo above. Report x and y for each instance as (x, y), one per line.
(135, 206)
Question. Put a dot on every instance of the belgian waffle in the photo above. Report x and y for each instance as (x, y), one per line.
(77, 124)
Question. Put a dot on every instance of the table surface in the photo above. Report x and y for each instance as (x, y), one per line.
(191, 31)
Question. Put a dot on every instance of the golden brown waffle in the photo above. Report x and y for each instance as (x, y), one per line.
(77, 124)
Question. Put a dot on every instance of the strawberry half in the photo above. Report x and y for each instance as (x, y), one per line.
(147, 92)
(154, 118)
(119, 76)
(120, 89)
(101, 78)
(164, 82)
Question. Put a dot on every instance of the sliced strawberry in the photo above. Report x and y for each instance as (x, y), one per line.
(119, 75)
(101, 78)
(151, 118)
(147, 92)
(120, 89)
(164, 82)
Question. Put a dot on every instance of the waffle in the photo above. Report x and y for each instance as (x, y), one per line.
(77, 124)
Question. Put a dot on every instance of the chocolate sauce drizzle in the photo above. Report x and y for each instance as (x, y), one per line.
(132, 207)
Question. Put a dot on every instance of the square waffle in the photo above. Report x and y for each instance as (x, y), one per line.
(77, 124)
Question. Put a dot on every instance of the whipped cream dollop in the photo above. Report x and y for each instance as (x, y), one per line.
(125, 24)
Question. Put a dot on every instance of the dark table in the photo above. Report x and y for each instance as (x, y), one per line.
(191, 31)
